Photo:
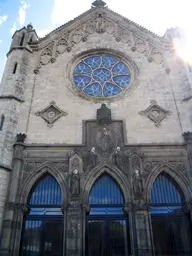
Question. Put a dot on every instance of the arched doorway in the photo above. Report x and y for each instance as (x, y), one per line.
(43, 227)
(106, 224)
(170, 223)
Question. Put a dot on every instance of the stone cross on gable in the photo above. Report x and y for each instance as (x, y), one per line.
(98, 3)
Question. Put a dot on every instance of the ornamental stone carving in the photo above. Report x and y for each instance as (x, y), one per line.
(187, 137)
(155, 113)
(102, 21)
(104, 115)
(61, 46)
(45, 56)
(20, 137)
(51, 114)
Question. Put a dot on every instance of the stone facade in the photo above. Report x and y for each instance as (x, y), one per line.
(149, 127)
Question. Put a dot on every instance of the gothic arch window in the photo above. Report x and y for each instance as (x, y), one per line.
(15, 68)
(2, 122)
(43, 226)
(170, 223)
(106, 224)
(22, 39)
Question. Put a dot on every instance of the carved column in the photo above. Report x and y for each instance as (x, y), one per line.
(74, 211)
(74, 227)
(188, 140)
(13, 217)
(143, 230)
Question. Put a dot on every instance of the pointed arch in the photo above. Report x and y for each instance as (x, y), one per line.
(166, 191)
(105, 190)
(36, 176)
(46, 191)
(179, 178)
(118, 177)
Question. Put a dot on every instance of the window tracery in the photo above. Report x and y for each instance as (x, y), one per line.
(102, 76)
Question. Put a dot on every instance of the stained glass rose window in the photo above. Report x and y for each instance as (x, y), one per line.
(101, 76)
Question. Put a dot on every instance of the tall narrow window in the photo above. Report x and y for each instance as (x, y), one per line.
(170, 224)
(2, 122)
(15, 68)
(43, 228)
(106, 231)
(22, 39)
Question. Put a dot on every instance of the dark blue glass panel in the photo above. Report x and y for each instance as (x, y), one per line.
(82, 81)
(106, 211)
(102, 75)
(105, 191)
(42, 237)
(166, 209)
(122, 81)
(165, 190)
(46, 192)
(111, 90)
(109, 61)
(120, 68)
(82, 68)
(93, 62)
(94, 90)
(45, 211)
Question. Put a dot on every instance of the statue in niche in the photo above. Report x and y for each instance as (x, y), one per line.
(120, 159)
(90, 159)
(75, 183)
(104, 139)
(137, 184)
(93, 157)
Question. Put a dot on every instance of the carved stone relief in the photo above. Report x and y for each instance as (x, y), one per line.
(45, 56)
(121, 160)
(75, 182)
(102, 23)
(61, 46)
(51, 113)
(155, 113)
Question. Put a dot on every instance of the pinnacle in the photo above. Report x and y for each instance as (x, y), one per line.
(98, 3)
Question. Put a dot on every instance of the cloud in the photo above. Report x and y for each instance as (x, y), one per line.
(22, 12)
(1, 41)
(43, 32)
(13, 29)
(3, 18)
(73, 8)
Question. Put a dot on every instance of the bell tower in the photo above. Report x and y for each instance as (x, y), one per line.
(13, 85)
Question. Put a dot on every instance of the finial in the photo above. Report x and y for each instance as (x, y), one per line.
(98, 3)
(29, 26)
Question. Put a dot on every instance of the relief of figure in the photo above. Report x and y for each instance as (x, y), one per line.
(75, 183)
(105, 140)
(137, 184)
(120, 159)
(93, 157)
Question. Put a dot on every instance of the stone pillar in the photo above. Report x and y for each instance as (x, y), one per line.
(74, 228)
(143, 231)
(188, 140)
(13, 217)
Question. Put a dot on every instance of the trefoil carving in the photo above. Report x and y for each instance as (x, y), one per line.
(155, 113)
(51, 114)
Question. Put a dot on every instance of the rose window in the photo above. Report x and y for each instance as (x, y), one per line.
(102, 76)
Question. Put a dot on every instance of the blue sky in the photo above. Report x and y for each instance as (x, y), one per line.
(46, 15)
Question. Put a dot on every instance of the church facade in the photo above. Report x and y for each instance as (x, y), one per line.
(95, 141)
